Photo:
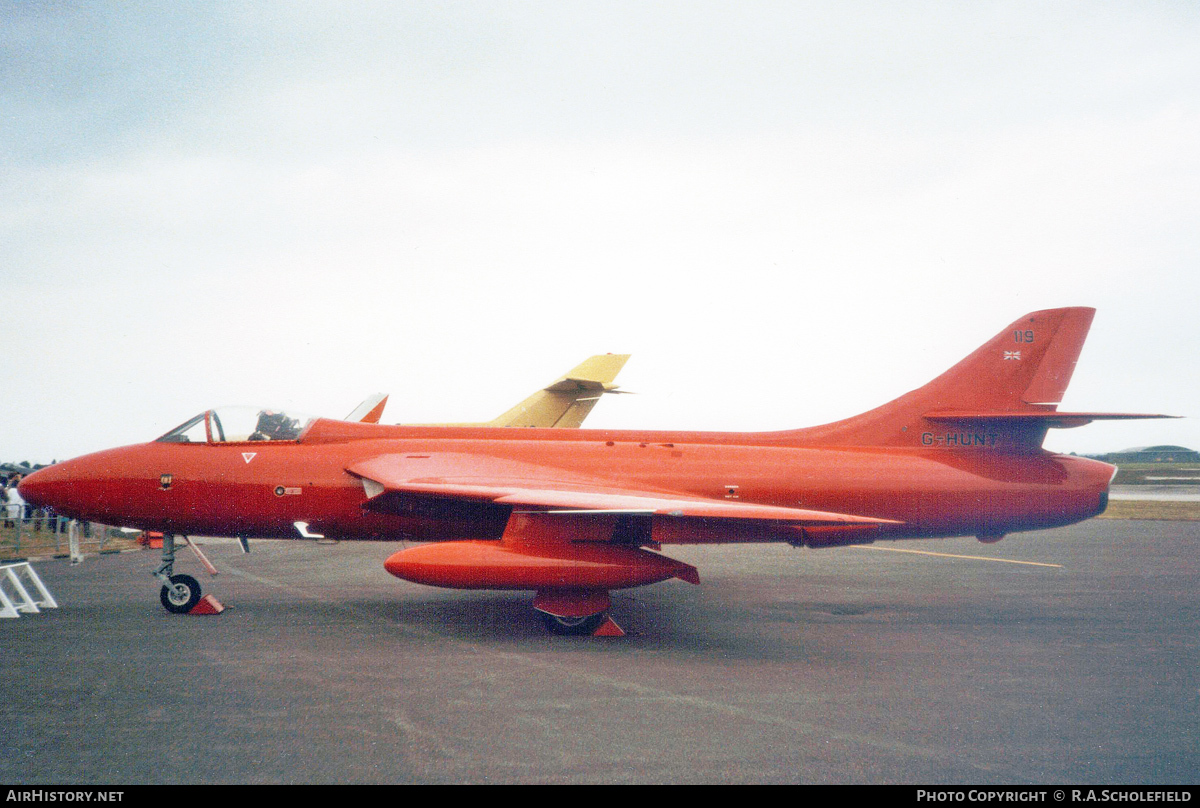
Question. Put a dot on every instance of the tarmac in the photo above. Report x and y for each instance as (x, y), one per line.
(857, 664)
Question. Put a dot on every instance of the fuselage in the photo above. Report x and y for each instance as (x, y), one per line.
(263, 488)
(570, 513)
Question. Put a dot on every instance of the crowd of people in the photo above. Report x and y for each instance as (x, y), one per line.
(11, 502)
(15, 509)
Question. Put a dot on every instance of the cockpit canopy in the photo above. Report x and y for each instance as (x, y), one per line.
(239, 424)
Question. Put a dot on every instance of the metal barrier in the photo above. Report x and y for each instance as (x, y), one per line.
(45, 533)
(15, 597)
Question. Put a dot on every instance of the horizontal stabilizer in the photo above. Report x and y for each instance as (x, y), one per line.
(1044, 418)
(579, 385)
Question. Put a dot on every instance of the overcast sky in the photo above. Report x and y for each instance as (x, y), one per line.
(787, 212)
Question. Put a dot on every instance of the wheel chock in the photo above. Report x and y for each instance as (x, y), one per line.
(608, 628)
(207, 605)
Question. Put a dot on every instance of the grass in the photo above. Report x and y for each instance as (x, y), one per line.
(45, 543)
(1151, 509)
(1136, 473)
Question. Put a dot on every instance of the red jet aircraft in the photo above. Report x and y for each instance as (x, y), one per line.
(568, 513)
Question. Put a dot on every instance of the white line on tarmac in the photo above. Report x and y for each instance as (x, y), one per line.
(952, 555)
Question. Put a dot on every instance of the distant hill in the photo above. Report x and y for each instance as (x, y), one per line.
(1152, 454)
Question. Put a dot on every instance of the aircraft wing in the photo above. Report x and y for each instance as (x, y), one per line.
(552, 491)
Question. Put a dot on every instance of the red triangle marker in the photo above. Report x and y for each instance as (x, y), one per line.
(608, 628)
(207, 605)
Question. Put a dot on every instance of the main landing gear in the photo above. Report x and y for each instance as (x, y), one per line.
(574, 625)
(577, 612)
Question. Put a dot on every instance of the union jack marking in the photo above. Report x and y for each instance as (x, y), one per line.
(1013, 355)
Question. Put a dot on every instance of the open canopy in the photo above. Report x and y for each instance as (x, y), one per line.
(239, 424)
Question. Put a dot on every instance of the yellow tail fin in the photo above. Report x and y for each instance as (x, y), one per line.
(567, 401)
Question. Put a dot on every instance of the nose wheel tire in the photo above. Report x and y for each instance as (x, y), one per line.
(574, 625)
(181, 595)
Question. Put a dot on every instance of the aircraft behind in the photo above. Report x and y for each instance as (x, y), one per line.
(564, 403)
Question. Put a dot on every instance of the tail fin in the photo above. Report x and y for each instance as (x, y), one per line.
(1003, 396)
(567, 401)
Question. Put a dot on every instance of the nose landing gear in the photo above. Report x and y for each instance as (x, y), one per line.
(181, 594)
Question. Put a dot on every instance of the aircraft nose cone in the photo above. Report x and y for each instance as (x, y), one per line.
(58, 487)
(35, 488)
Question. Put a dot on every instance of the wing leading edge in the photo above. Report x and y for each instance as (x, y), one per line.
(551, 491)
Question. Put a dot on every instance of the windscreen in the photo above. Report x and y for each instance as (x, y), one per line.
(239, 424)
(190, 431)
